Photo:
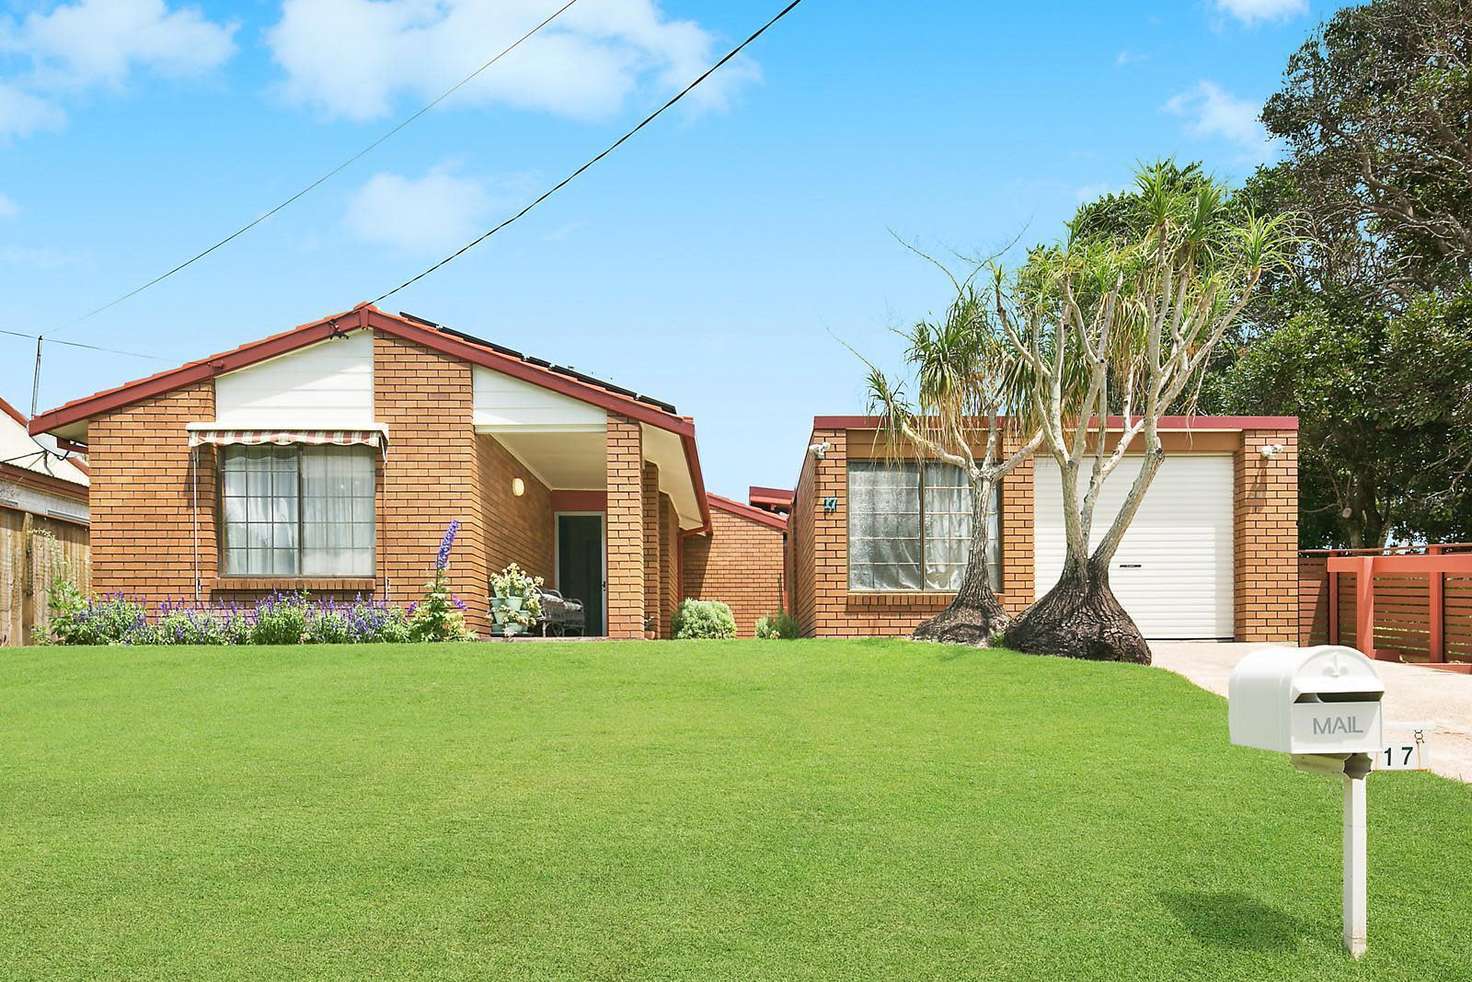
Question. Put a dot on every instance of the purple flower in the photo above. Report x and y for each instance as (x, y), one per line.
(443, 559)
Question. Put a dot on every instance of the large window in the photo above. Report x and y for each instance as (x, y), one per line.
(297, 511)
(909, 527)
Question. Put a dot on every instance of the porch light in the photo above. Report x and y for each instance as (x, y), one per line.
(518, 487)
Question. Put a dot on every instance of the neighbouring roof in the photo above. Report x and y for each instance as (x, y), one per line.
(68, 421)
(21, 455)
(771, 499)
(758, 515)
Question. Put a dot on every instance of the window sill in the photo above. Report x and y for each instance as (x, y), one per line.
(334, 583)
(899, 598)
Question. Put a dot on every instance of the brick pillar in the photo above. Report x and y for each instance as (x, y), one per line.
(1015, 526)
(425, 398)
(624, 459)
(1265, 537)
(669, 560)
(652, 543)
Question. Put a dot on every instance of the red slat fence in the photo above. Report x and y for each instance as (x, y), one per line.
(1410, 604)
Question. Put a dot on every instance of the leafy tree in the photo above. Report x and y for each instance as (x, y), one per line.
(1365, 337)
(1376, 111)
(1385, 415)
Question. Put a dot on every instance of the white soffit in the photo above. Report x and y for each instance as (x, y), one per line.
(328, 385)
(504, 404)
(667, 452)
(565, 461)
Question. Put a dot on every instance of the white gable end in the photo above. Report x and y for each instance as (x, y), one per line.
(328, 385)
(506, 403)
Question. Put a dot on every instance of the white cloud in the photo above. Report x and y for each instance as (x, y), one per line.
(8, 207)
(1252, 11)
(354, 58)
(1211, 112)
(437, 211)
(92, 43)
(22, 114)
(1128, 57)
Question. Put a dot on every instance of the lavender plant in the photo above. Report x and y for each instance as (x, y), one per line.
(440, 616)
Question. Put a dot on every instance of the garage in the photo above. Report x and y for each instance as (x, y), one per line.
(1173, 570)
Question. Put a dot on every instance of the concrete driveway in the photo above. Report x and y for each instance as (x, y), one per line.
(1412, 695)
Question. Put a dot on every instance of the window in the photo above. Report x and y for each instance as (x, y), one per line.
(909, 527)
(297, 511)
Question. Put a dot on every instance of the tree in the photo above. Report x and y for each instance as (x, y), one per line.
(964, 383)
(1384, 404)
(1376, 111)
(1127, 320)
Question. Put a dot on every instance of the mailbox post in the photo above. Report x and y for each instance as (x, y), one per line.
(1322, 706)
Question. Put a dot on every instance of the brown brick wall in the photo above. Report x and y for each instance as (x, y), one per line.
(425, 399)
(625, 527)
(1266, 542)
(1265, 538)
(518, 530)
(824, 605)
(653, 542)
(142, 518)
(739, 563)
(669, 564)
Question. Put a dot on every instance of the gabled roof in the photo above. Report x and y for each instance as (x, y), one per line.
(22, 456)
(556, 378)
(454, 343)
(747, 512)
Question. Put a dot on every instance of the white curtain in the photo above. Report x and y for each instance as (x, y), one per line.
(297, 510)
(883, 526)
(886, 548)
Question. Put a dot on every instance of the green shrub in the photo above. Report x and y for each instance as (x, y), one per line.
(281, 619)
(697, 619)
(113, 619)
(779, 625)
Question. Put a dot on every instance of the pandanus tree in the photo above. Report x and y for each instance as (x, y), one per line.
(963, 373)
(1122, 326)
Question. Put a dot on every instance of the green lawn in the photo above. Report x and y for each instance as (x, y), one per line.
(730, 810)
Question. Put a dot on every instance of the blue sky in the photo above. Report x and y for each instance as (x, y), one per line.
(711, 262)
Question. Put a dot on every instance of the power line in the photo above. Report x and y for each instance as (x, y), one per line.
(608, 150)
(48, 339)
(330, 174)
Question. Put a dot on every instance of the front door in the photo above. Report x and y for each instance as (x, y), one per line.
(580, 565)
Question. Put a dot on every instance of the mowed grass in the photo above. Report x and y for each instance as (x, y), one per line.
(726, 810)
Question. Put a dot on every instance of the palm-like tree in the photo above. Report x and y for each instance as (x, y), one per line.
(965, 378)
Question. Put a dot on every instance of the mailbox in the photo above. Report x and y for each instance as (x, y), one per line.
(1324, 700)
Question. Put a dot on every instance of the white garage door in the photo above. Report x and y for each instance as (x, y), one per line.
(1173, 571)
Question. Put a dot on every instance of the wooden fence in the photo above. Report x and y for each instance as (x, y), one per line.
(34, 551)
(1421, 614)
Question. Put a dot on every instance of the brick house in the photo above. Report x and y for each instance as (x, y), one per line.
(331, 457)
(1212, 552)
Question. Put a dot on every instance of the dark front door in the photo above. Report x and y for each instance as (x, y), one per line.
(580, 565)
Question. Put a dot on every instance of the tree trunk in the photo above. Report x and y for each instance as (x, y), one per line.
(975, 616)
(1079, 618)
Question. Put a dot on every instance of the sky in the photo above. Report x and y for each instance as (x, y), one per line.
(723, 260)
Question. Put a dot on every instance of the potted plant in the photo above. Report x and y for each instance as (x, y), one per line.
(516, 600)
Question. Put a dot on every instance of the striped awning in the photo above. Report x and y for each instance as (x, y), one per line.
(285, 438)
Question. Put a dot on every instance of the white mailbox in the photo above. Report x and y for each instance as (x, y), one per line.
(1324, 700)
